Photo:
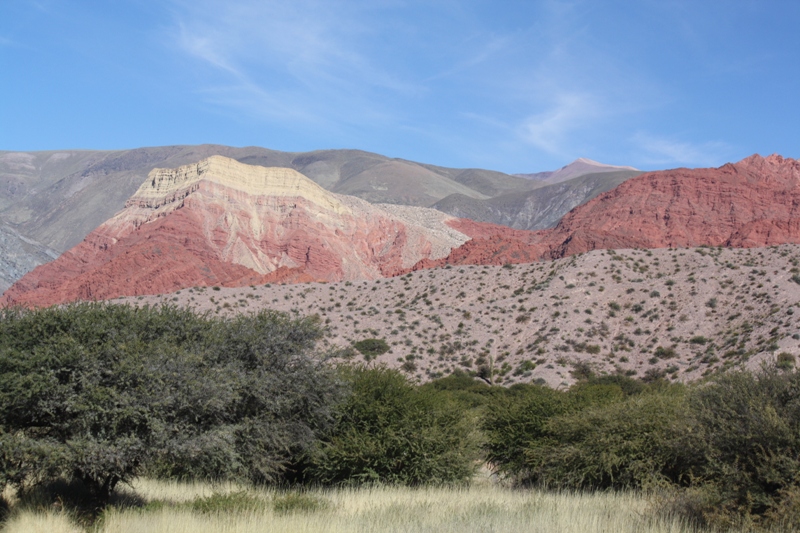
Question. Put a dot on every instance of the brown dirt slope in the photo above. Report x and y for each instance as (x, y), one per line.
(675, 313)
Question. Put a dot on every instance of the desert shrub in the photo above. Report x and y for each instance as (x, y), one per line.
(266, 400)
(298, 502)
(748, 428)
(627, 385)
(103, 393)
(785, 361)
(586, 394)
(464, 389)
(515, 419)
(232, 502)
(388, 431)
(371, 348)
(665, 353)
(629, 443)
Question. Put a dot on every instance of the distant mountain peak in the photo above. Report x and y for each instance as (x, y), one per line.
(587, 161)
(579, 167)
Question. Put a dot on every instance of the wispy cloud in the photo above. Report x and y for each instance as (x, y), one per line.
(550, 130)
(298, 59)
(661, 151)
(577, 90)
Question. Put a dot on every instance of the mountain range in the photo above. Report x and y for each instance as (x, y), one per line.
(222, 222)
(675, 273)
(52, 200)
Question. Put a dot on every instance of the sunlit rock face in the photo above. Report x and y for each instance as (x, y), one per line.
(220, 222)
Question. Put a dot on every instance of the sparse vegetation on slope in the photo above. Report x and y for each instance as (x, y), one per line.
(678, 314)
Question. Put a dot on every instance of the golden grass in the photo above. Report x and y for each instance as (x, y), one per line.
(47, 522)
(440, 510)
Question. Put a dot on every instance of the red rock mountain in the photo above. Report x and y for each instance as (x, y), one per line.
(755, 202)
(219, 222)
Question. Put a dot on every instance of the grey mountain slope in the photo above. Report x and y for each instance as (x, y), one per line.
(537, 209)
(50, 200)
(19, 255)
(57, 197)
(488, 182)
(579, 167)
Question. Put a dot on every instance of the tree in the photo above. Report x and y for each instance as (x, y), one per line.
(102, 392)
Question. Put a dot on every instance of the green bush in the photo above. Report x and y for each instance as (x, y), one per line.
(388, 431)
(233, 502)
(298, 502)
(103, 393)
(628, 443)
(371, 348)
(785, 361)
(747, 426)
(515, 419)
(464, 389)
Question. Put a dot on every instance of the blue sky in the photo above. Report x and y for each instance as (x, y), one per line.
(516, 86)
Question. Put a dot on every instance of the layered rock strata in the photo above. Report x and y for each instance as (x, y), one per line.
(752, 203)
(220, 222)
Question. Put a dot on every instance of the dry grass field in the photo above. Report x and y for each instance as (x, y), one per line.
(201, 508)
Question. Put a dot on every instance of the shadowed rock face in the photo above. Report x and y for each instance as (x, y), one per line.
(540, 208)
(219, 222)
(19, 255)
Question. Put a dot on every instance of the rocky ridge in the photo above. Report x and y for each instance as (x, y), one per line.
(220, 222)
(755, 202)
(183, 229)
(56, 198)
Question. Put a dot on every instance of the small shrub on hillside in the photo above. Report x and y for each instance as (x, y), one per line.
(785, 361)
(665, 353)
(371, 348)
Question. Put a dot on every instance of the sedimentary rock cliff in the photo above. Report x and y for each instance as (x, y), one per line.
(755, 202)
(220, 222)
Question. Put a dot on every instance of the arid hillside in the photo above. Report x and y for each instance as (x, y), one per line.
(755, 202)
(677, 313)
(52, 200)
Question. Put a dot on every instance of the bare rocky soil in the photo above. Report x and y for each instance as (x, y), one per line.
(677, 313)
